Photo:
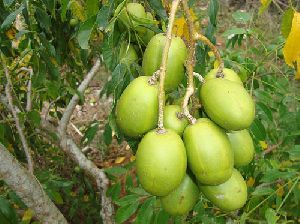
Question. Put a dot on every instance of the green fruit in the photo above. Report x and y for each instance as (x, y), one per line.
(182, 199)
(227, 103)
(228, 74)
(172, 121)
(175, 64)
(209, 153)
(149, 33)
(242, 146)
(129, 15)
(127, 54)
(137, 108)
(73, 22)
(228, 196)
(161, 162)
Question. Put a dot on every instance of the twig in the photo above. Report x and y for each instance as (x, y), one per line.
(62, 127)
(153, 79)
(199, 77)
(8, 92)
(76, 129)
(190, 62)
(29, 102)
(272, 147)
(162, 73)
(215, 50)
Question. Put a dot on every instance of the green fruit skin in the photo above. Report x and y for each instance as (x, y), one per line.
(227, 103)
(127, 54)
(228, 196)
(128, 13)
(228, 74)
(182, 199)
(242, 146)
(161, 162)
(209, 153)
(149, 33)
(171, 120)
(137, 108)
(175, 64)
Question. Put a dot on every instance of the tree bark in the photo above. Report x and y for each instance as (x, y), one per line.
(28, 189)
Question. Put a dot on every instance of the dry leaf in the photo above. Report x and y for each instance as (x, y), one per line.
(120, 159)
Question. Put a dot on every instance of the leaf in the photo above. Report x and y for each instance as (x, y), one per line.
(158, 8)
(104, 15)
(274, 174)
(234, 31)
(64, 7)
(286, 23)
(120, 159)
(124, 213)
(8, 214)
(270, 216)
(90, 133)
(145, 212)
(162, 217)
(114, 191)
(34, 117)
(259, 191)
(295, 153)
(241, 17)
(11, 17)
(128, 199)
(27, 216)
(297, 75)
(7, 3)
(92, 7)
(118, 170)
(213, 11)
(107, 134)
(258, 130)
(291, 50)
(264, 6)
(55, 196)
(43, 18)
(85, 31)
(262, 107)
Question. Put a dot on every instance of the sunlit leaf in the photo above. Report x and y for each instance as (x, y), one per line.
(85, 31)
(286, 22)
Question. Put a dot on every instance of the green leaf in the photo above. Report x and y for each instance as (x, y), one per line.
(103, 17)
(34, 117)
(107, 134)
(158, 8)
(92, 7)
(90, 133)
(85, 31)
(258, 130)
(264, 7)
(55, 196)
(286, 22)
(273, 175)
(162, 217)
(260, 191)
(114, 191)
(8, 214)
(7, 3)
(295, 153)
(118, 170)
(266, 110)
(43, 19)
(241, 17)
(213, 9)
(145, 212)
(234, 31)
(270, 216)
(11, 17)
(124, 213)
(64, 7)
(128, 199)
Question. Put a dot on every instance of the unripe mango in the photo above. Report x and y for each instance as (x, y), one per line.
(229, 74)
(137, 108)
(242, 146)
(182, 199)
(172, 121)
(228, 196)
(175, 63)
(161, 162)
(209, 153)
(227, 103)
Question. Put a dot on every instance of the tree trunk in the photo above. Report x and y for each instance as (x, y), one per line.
(28, 189)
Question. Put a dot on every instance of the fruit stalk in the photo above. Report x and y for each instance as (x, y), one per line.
(162, 72)
(190, 63)
(204, 39)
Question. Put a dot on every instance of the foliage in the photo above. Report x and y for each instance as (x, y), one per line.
(39, 34)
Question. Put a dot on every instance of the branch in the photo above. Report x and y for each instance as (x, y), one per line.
(28, 98)
(162, 72)
(215, 50)
(272, 147)
(74, 101)
(190, 63)
(28, 189)
(8, 92)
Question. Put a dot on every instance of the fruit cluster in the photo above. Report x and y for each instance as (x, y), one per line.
(187, 158)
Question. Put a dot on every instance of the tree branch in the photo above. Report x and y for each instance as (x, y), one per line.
(190, 62)
(8, 92)
(28, 98)
(162, 72)
(74, 101)
(28, 189)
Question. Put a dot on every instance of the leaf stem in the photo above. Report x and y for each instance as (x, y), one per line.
(162, 72)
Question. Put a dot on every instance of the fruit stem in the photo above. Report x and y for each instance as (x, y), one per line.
(153, 79)
(198, 36)
(190, 63)
(162, 71)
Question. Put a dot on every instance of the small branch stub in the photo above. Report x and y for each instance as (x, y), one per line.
(153, 79)
(199, 77)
